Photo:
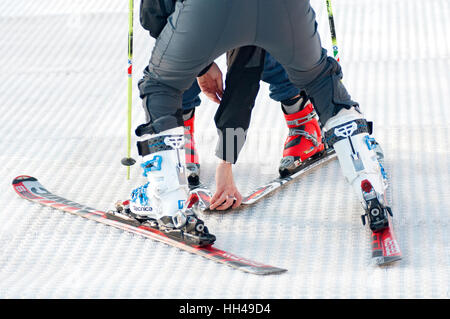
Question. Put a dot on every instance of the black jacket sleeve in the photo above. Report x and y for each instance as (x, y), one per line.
(153, 15)
(245, 66)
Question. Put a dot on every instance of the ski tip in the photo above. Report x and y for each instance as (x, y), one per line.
(384, 261)
(260, 270)
(22, 178)
(272, 271)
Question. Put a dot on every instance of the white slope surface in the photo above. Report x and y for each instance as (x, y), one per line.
(63, 119)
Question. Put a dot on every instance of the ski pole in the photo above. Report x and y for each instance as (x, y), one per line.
(128, 161)
(333, 31)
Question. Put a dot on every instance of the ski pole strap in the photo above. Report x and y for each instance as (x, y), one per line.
(346, 130)
(160, 143)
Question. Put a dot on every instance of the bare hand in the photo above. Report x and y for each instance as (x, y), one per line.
(227, 194)
(211, 83)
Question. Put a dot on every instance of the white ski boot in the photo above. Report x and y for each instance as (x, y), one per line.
(161, 202)
(358, 153)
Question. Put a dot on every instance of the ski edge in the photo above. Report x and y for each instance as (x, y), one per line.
(276, 183)
(204, 193)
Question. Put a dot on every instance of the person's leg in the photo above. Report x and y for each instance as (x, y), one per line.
(304, 139)
(191, 100)
(196, 33)
(309, 67)
(294, 41)
(281, 88)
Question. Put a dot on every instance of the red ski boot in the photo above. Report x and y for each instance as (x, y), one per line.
(304, 141)
(192, 162)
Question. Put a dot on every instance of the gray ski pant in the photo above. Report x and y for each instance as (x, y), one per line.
(199, 31)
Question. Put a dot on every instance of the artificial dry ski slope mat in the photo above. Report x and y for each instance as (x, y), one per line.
(63, 101)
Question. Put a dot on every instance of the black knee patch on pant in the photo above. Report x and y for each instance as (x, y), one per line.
(160, 117)
(161, 124)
